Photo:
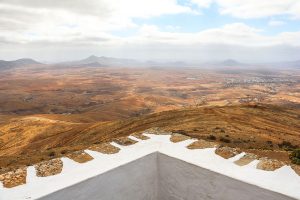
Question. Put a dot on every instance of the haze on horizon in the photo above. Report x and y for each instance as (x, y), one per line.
(187, 30)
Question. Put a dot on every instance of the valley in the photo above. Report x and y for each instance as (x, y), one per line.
(50, 110)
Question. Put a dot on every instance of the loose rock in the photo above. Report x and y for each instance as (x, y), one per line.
(202, 144)
(269, 164)
(176, 137)
(105, 148)
(49, 168)
(125, 141)
(80, 157)
(296, 168)
(14, 178)
(140, 136)
(246, 159)
(227, 152)
(157, 131)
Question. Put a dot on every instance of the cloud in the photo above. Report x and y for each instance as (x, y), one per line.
(71, 28)
(173, 28)
(235, 40)
(56, 20)
(232, 34)
(254, 8)
(276, 23)
(259, 8)
(202, 3)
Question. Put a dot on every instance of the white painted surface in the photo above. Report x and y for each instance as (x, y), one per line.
(283, 180)
(160, 177)
(136, 180)
(179, 180)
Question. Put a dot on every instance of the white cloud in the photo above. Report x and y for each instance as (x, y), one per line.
(289, 38)
(106, 8)
(236, 33)
(235, 40)
(254, 8)
(71, 26)
(276, 23)
(259, 8)
(56, 20)
(202, 3)
(172, 28)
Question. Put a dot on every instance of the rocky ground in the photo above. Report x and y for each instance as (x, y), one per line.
(105, 148)
(140, 136)
(246, 159)
(14, 178)
(227, 152)
(80, 156)
(49, 168)
(125, 141)
(176, 137)
(54, 166)
(269, 164)
(202, 144)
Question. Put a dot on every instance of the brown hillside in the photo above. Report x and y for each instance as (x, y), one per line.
(257, 129)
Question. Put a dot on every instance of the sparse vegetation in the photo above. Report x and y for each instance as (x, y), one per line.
(287, 145)
(182, 132)
(295, 156)
(62, 135)
(52, 154)
(211, 137)
(226, 140)
(63, 152)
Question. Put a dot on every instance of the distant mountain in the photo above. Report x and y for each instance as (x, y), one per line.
(17, 63)
(292, 64)
(230, 63)
(285, 64)
(92, 64)
(103, 62)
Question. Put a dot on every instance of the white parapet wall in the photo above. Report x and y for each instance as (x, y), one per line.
(158, 169)
(160, 177)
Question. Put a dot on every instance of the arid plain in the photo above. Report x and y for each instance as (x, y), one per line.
(47, 111)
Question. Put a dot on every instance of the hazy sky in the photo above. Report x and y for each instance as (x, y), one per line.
(246, 30)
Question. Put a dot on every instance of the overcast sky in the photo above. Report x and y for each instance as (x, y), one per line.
(204, 30)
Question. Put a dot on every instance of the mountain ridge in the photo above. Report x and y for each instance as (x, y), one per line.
(18, 63)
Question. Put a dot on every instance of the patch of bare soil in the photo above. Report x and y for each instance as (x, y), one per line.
(227, 152)
(281, 155)
(140, 136)
(49, 168)
(176, 137)
(157, 131)
(246, 159)
(269, 164)
(202, 144)
(14, 178)
(296, 168)
(105, 148)
(80, 156)
(125, 141)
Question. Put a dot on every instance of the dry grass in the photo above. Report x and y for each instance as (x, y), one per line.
(250, 128)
